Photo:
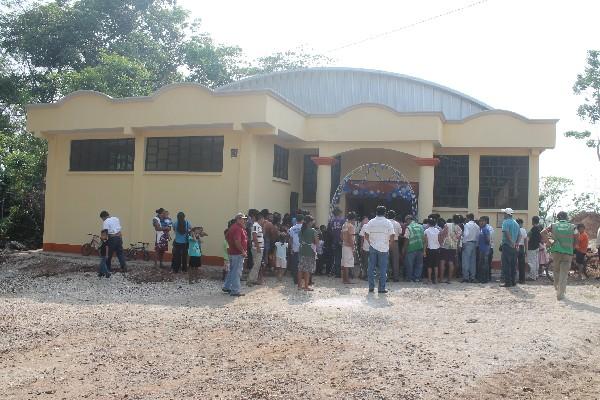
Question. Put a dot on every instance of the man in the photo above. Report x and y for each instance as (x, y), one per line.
(112, 225)
(470, 238)
(379, 233)
(334, 227)
(237, 241)
(258, 244)
(521, 245)
(484, 244)
(534, 238)
(510, 238)
(432, 234)
(565, 237)
(581, 250)
(348, 244)
(364, 249)
(490, 229)
(252, 213)
(414, 248)
(270, 235)
(394, 249)
(294, 233)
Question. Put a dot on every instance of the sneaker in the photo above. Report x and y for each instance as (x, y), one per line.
(371, 290)
(382, 291)
(237, 294)
(226, 290)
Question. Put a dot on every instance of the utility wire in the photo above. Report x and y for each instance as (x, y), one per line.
(405, 27)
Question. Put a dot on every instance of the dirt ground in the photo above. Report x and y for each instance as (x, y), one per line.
(67, 334)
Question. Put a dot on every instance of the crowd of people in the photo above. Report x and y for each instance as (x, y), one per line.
(386, 246)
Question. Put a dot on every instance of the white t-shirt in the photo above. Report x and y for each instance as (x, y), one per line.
(432, 238)
(256, 228)
(471, 232)
(281, 249)
(112, 225)
(365, 244)
(522, 236)
(397, 228)
(380, 230)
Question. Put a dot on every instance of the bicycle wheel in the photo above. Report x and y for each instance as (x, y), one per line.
(86, 249)
(146, 255)
(130, 254)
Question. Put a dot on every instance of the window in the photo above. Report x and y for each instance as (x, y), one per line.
(451, 187)
(102, 155)
(187, 153)
(309, 180)
(280, 162)
(503, 182)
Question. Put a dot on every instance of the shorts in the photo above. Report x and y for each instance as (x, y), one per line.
(347, 257)
(433, 258)
(579, 257)
(448, 255)
(280, 263)
(307, 264)
(195, 262)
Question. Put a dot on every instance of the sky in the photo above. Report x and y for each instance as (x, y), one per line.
(517, 55)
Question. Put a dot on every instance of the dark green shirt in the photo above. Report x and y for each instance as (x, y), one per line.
(307, 239)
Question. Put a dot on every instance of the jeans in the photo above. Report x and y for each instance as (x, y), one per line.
(103, 269)
(180, 251)
(232, 280)
(533, 259)
(509, 264)
(483, 271)
(336, 251)
(413, 265)
(364, 263)
(379, 260)
(521, 262)
(395, 260)
(293, 265)
(115, 245)
(469, 260)
(562, 266)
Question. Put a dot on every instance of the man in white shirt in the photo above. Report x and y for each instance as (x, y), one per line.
(294, 231)
(115, 239)
(394, 249)
(470, 237)
(379, 233)
(258, 245)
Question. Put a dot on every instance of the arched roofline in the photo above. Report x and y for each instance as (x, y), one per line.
(507, 113)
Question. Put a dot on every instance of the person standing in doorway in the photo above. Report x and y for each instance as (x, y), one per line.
(379, 233)
(510, 238)
(534, 238)
(182, 229)
(258, 244)
(394, 249)
(334, 227)
(414, 247)
(469, 250)
(521, 246)
(565, 236)
(237, 246)
(294, 233)
(112, 225)
(348, 245)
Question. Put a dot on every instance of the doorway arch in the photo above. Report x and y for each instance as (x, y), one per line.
(356, 183)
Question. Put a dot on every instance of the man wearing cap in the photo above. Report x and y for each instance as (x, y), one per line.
(565, 236)
(237, 239)
(510, 238)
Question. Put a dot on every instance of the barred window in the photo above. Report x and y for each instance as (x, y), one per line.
(451, 188)
(186, 153)
(280, 162)
(309, 180)
(102, 155)
(504, 182)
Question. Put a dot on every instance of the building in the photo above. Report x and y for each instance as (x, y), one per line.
(278, 141)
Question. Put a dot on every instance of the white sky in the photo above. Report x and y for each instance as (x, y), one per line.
(518, 55)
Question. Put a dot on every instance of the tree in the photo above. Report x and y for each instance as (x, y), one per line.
(584, 202)
(588, 85)
(286, 61)
(553, 190)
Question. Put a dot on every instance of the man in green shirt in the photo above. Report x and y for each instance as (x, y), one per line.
(414, 248)
(564, 236)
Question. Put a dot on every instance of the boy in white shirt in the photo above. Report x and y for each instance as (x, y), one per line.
(433, 251)
(281, 247)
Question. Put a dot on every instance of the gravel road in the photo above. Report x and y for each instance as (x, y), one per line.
(66, 334)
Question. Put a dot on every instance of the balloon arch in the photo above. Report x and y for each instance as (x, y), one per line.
(356, 182)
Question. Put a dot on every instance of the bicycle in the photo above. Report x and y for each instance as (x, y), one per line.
(135, 249)
(93, 245)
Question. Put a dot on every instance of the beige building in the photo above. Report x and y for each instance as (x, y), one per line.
(280, 141)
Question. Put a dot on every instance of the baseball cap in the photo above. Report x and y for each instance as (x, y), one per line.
(508, 211)
(240, 215)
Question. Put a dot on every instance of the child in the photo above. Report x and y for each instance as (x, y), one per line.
(281, 247)
(320, 258)
(195, 253)
(103, 269)
(544, 258)
(225, 255)
(581, 250)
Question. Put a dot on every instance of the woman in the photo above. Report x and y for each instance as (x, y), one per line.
(161, 233)
(309, 239)
(182, 228)
(448, 238)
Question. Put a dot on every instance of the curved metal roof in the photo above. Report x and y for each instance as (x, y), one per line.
(331, 90)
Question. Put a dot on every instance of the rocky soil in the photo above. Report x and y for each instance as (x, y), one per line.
(67, 334)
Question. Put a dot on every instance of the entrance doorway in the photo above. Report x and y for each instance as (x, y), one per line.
(366, 206)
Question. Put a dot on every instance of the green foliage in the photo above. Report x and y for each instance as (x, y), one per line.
(286, 61)
(553, 191)
(210, 64)
(588, 86)
(584, 202)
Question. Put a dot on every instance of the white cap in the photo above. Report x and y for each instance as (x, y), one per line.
(508, 211)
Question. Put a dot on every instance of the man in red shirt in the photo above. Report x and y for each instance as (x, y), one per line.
(581, 250)
(237, 239)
